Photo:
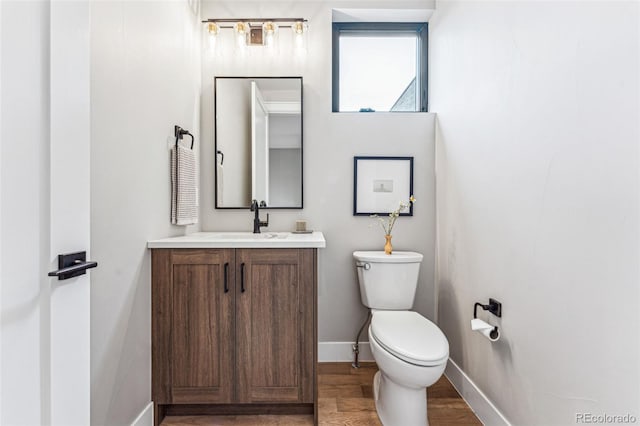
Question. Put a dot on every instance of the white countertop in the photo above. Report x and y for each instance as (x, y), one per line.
(242, 240)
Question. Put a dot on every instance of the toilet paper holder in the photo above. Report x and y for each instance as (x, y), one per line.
(494, 307)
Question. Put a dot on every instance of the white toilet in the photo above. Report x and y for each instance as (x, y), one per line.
(411, 351)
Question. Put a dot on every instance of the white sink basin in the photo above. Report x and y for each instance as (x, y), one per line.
(242, 240)
(249, 235)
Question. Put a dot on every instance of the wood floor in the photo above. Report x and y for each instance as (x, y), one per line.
(345, 398)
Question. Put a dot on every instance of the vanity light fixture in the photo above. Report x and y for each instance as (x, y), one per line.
(240, 28)
(270, 27)
(269, 33)
(212, 30)
(257, 31)
(299, 29)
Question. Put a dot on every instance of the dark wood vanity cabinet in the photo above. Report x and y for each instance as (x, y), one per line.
(192, 330)
(233, 331)
(275, 325)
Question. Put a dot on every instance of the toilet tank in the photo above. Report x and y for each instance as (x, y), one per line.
(388, 281)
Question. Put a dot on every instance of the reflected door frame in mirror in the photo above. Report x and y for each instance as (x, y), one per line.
(244, 113)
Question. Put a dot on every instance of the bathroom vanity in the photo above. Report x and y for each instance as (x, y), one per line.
(234, 324)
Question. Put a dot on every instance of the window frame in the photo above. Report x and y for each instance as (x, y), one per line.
(421, 29)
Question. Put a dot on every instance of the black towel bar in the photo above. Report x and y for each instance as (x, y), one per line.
(179, 133)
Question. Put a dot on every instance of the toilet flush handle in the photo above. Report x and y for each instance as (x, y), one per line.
(365, 266)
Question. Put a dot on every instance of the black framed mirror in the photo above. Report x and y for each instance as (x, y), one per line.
(258, 142)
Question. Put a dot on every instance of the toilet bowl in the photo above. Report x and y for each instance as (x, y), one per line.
(411, 352)
(407, 367)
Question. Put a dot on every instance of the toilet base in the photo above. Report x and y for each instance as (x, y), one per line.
(398, 405)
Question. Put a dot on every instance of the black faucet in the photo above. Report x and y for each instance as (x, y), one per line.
(257, 223)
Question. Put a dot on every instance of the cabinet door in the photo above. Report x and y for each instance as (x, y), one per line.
(274, 325)
(195, 322)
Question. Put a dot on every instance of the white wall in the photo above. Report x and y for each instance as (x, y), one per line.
(331, 140)
(145, 78)
(537, 181)
(24, 221)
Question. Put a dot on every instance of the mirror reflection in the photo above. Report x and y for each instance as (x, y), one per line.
(258, 126)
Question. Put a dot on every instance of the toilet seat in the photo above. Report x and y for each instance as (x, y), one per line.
(410, 337)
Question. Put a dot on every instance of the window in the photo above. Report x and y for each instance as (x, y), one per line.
(379, 67)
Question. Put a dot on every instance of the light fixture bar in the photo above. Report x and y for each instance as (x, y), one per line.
(261, 20)
(257, 31)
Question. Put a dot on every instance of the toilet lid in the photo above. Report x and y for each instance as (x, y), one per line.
(410, 337)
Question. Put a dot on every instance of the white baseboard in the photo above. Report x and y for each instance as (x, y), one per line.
(477, 400)
(145, 418)
(342, 352)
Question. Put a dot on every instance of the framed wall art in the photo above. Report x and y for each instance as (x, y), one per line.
(380, 183)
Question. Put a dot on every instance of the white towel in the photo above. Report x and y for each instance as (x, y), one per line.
(184, 193)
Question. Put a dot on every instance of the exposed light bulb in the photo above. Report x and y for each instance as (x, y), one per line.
(213, 29)
(269, 27)
(240, 28)
(269, 32)
(298, 27)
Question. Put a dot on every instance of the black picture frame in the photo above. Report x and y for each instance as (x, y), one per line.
(394, 178)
